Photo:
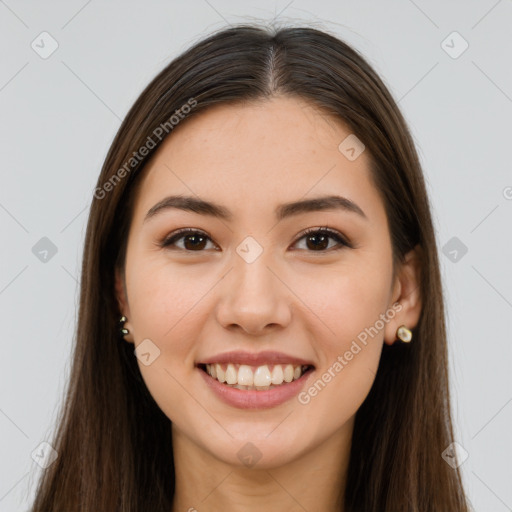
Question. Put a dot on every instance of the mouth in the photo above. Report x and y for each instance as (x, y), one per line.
(255, 378)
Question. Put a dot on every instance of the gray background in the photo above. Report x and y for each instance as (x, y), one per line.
(59, 116)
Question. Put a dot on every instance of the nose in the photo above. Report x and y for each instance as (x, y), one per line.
(253, 298)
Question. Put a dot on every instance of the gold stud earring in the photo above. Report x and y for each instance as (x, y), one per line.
(404, 334)
(123, 331)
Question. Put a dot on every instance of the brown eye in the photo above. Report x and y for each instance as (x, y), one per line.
(193, 240)
(317, 240)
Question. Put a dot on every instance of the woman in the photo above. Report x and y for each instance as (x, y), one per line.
(261, 320)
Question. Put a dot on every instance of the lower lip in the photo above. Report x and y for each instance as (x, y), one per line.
(253, 399)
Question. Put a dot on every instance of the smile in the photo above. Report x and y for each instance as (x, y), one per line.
(260, 378)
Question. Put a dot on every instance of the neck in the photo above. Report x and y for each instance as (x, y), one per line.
(315, 480)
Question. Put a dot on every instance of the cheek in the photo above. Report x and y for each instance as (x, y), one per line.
(164, 298)
(351, 308)
(347, 303)
(360, 304)
(165, 305)
(350, 336)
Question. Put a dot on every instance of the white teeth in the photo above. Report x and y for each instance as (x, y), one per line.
(231, 374)
(245, 375)
(261, 378)
(288, 373)
(277, 375)
(221, 376)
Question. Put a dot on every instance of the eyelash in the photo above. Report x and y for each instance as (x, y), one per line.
(342, 241)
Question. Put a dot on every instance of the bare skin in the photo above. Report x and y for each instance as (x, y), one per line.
(295, 298)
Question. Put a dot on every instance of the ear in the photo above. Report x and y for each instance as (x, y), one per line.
(122, 301)
(407, 292)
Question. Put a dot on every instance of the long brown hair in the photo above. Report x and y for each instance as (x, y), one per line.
(114, 443)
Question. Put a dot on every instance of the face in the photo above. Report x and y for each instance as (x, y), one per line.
(246, 278)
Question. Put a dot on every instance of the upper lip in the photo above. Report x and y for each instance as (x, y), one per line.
(255, 359)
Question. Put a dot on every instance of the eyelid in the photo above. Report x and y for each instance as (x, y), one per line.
(333, 233)
(179, 233)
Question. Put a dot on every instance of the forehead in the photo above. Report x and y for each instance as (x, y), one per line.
(256, 155)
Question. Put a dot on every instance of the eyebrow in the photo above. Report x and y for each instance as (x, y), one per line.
(202, 207)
